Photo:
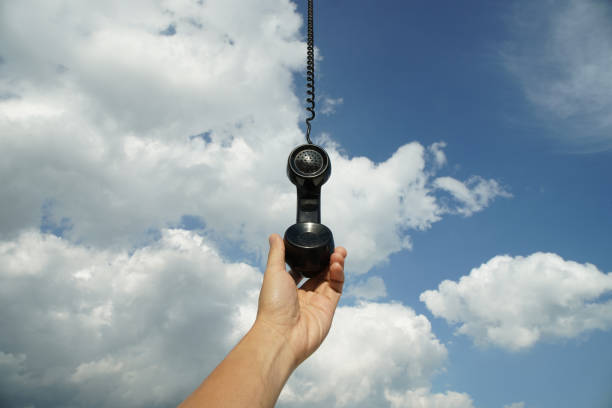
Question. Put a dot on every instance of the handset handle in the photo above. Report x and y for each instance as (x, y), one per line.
(308, 205)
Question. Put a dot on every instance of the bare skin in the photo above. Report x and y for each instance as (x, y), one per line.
(291, 324)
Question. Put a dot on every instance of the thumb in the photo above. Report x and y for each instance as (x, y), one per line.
(276, 256)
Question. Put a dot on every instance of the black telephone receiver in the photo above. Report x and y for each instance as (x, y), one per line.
(308, 243)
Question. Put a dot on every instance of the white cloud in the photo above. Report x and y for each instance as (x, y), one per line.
(107, 140)
(561, 55)
(513, 302)
(372, 348)
(373, 205)
(515, 405)
(437, 151)
(87, 371)
(79, 322)
(330, 104)
(473, 195)
(422, 398)
(370, 289)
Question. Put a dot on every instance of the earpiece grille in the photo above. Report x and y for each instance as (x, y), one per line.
(309, 161)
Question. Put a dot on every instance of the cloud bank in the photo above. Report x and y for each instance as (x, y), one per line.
(139, 137)
(100, 328)
(83, 327)
(514, 302)
(373, 347)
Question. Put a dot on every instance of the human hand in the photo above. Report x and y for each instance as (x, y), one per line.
(302, 316)
(291, 323)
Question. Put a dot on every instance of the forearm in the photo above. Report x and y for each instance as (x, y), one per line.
(252, 375)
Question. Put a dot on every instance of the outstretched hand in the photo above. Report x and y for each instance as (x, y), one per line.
(291, 323)
(302, 316)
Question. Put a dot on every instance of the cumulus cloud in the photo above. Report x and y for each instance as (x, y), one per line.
(514, 302)
(374, 205)
(139, 129)
(561, 55)
(100, 328)
(373, 348)
(473, 195)
(515, 405)
(85, 327)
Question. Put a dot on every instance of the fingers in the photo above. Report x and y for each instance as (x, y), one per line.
(336, 277)
(336, 257)
(330, 281)
(276, 259)
(335, 274)
(314, 282)
(276, 256)
(341, 251)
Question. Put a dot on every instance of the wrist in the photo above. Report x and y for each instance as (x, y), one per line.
(274, 346)
(252, 374)
(267, 360)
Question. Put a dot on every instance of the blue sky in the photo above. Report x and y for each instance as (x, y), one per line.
(470, 144)
(430, 72)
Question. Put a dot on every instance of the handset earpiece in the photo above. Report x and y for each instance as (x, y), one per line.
(308, 243)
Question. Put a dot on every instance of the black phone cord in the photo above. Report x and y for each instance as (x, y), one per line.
(310, 72)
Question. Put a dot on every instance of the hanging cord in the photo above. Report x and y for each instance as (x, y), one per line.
(310, 72)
